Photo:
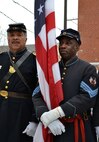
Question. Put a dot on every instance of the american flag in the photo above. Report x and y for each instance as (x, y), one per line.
(47, 56)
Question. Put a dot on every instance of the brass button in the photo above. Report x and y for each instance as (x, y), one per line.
(7, 81)
(6, 87)
(13, 58)
(63, 73)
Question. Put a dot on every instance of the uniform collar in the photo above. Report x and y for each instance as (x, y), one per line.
(69, 62)
(19, 53)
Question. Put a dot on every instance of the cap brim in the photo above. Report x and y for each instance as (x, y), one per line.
(70, 36)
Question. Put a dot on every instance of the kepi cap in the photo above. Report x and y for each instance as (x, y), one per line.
(70, 33)
(17, 27)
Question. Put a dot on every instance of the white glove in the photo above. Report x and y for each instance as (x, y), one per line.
(56, 127)
(97, 131)
(30, 129)
(50, 116)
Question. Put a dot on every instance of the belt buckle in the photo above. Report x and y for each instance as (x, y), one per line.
(4, 94)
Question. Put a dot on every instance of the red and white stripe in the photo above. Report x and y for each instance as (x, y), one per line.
(47, 65)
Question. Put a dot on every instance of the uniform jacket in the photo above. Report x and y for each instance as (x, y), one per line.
(28, 70)
(16, 112)
(96, 109)
(80, 88)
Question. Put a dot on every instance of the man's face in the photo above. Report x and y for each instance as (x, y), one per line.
(16, 40)
(68, 48)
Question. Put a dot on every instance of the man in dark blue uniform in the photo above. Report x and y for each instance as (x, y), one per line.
(18, 78)
(80, 87)
(96, 114)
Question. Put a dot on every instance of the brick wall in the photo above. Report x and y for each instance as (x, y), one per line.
(88, 25)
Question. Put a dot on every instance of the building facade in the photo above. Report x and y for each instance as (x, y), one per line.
(88, 25)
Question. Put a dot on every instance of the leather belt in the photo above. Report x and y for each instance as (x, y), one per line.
(7, 94)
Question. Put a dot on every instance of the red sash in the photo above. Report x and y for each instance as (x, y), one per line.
(75, 120)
